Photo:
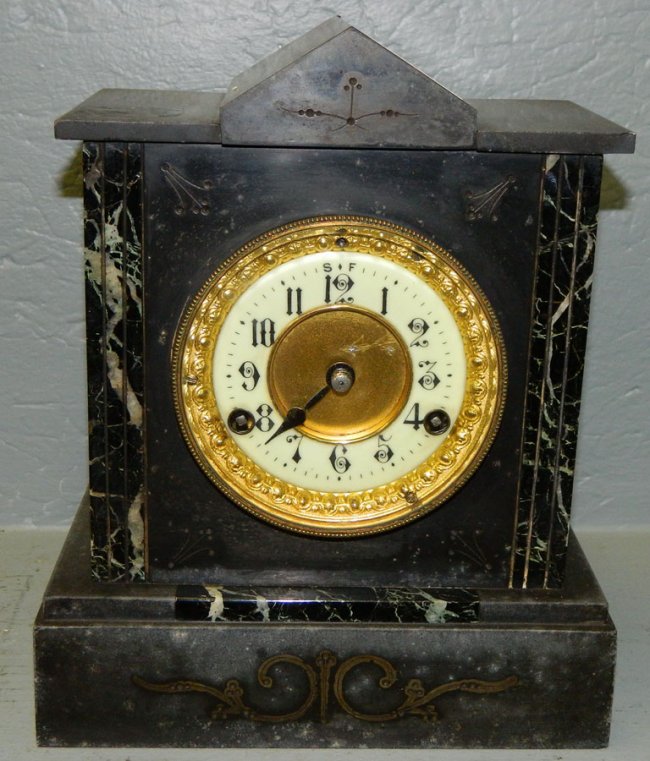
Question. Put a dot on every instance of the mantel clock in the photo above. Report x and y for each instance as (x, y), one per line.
(336, 325)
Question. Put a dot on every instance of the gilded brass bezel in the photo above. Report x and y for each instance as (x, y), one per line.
(340, 514)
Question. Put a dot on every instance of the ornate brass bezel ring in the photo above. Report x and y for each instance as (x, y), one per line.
(339, 514)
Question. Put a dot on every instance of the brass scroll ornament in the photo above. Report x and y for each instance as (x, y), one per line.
(416, 699)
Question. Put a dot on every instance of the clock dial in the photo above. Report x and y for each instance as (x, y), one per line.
(339, 376)
(321, 311)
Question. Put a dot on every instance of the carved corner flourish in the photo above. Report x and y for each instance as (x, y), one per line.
(327, 680)
(484, 204)
(468, 546)
(193, 544)
(350, 118)
(190, 195)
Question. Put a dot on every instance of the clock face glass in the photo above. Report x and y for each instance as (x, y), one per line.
(339, 376)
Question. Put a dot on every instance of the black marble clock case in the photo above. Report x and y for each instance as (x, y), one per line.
(530, 247)
(175, 183)
(477, 625)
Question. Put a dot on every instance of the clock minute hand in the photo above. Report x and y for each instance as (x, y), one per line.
(297, 415)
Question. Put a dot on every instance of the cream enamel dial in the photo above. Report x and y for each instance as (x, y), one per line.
(339, 376)
(398, 326)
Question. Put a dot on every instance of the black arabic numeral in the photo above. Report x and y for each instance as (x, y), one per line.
(416, 421)
(263, 332)
(296, 437)
(251, 376)
(429, 380)
(419, 327)
(384, 300)
(339, 461)
(264, 422)
(341, 283)
(384, 453)
(294, 301)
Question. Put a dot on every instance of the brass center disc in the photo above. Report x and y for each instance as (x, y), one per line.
(309, 346)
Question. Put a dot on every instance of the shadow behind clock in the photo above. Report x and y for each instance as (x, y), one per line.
(195, 533)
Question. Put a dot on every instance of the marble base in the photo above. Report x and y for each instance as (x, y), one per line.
(159, 665)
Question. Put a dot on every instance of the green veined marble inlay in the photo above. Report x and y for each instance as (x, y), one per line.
(567, 241)
(113, 251)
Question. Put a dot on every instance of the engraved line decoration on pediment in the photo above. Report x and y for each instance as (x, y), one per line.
(352, 86)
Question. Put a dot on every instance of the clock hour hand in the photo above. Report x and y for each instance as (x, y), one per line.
(316, 397)
(340, 378)
(297, 415)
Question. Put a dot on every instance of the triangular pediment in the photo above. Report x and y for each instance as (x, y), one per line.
(335, 86)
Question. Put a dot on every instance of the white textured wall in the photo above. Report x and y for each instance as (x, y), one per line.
(54, 53)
